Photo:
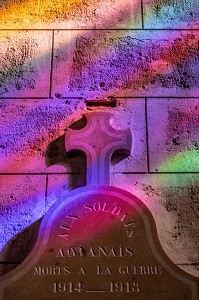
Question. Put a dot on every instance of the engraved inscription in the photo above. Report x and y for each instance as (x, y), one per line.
(127, 287)
(114, 287)
(113, 209)
(67, 225)
(141, 270)
(70, 287)
(96, 252)
(124, 270)
(101, 245)
(51, 270)
(131, 228)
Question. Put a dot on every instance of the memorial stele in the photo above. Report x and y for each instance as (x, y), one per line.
(98, 241)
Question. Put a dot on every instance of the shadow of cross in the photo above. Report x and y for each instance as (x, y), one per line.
(98, 140)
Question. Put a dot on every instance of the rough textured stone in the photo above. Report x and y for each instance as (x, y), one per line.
(171, 13)
(70, 14)
(18, 248)
(57, 188)
(28, 127)
(32, 135)
(22, 203)
(25, 63)
(173, 201)
(173, 135)
(126, 63)
(130, 113)
(60, 184)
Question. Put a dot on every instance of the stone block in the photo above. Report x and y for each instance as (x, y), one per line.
(171, 14)
(27, 129)
(25, 58)
(97, 64)
(130, 113)
(173, 135)
(71, 14)
(22, 204)
(173, 201)
(32, 137)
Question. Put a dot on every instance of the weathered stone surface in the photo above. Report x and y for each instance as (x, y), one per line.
(132, 63)
(17, 248)
(25, 63)
(99, 237)
(171, 14)
(173, 201)
(57, 188)
(174, 135)
(32, 129)
(28, 127)
(55, 169)
(60, 184)
(22, 203)
(130, 113)
(71, 14)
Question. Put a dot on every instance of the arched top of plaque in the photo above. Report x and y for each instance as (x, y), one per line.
(99, 242)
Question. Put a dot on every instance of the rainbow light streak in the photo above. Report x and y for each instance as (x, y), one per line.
(182, 160)
(16, 215)
(32, 12)
(21, 57)
(175, 51)
(171, 14)
(20, 133)
(32, 15)
(65, 14)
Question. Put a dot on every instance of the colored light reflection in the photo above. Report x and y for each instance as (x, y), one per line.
(68, 14)
(173, 51)
(127, 64)
(187, 160)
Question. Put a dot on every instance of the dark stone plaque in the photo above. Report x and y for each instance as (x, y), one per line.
(98, 243)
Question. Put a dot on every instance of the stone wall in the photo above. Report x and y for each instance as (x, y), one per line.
(56, 54)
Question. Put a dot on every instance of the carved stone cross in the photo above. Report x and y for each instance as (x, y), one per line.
(98, 140)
